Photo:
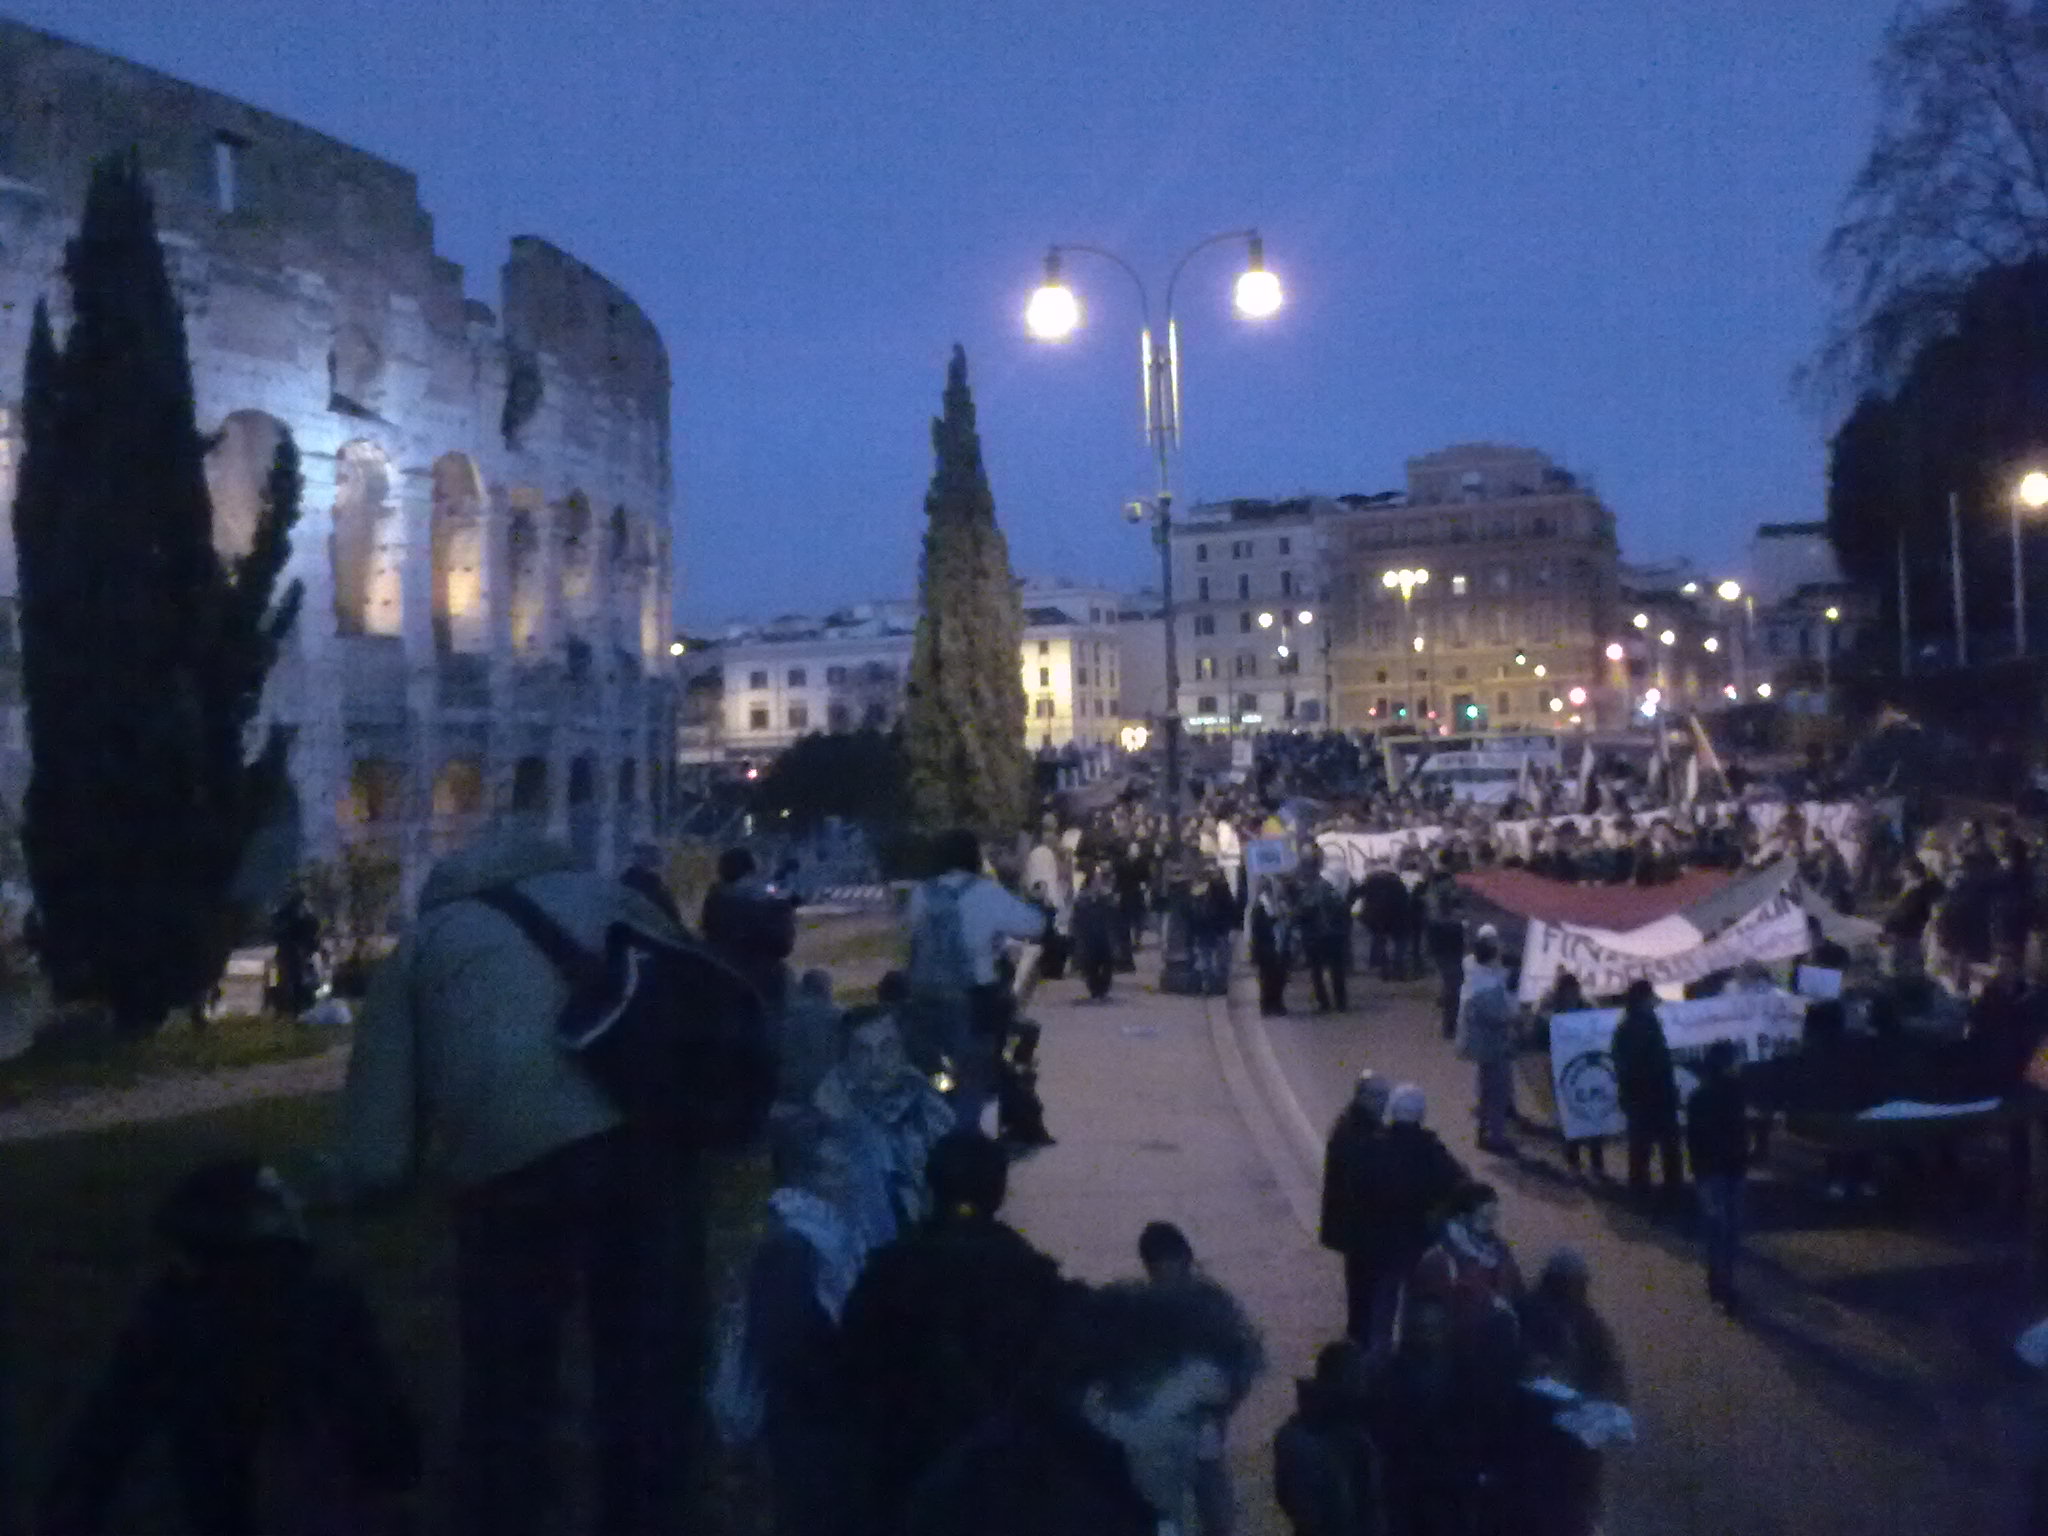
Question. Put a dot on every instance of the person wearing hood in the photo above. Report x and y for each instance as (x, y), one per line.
(1350, 1197)
(456, 1071)
(1326, 1464)
(1648, 1091)
(1487, 1022)
(892, 1116)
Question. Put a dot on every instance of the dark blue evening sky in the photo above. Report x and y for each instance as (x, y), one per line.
(1589, 228)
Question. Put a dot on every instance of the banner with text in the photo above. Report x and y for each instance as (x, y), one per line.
(1670, 952)
(1762, 1025)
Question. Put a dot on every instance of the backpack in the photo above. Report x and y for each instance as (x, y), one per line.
(939, 962)
(676, 1038)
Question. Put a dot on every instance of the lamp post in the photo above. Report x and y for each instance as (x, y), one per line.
(1731, 592)
(1833, 615)
(1407, 581)
(1055, 314)
(2032, 494)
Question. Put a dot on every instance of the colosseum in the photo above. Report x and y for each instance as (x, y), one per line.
(484, 535)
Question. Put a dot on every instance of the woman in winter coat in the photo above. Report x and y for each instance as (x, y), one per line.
(1647, 1090)
(1558, 1319)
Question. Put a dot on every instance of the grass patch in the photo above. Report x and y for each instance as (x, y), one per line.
(856, 949)
(73, 1058)
(75, 1212)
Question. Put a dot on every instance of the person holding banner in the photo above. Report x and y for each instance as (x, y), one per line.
(1647, 1090)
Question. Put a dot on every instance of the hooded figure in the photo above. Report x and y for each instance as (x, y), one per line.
(1350, 1193)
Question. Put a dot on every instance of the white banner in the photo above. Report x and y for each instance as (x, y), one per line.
(1762, 1025)
(1670, 951)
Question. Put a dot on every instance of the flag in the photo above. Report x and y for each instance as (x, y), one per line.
(1692, 779)
(1585, 777)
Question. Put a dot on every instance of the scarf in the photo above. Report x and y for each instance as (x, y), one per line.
(825, 1227)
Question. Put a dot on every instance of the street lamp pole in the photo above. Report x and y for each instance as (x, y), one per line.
(2033, 495)
(1053, 315)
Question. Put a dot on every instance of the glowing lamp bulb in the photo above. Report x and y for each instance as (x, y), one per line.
(1304, 617)
(1728, 591)
(1257, 294)
(1641, 621)
(1054, 313)
(1614, 650)
(2034, 489)
(1265, 621)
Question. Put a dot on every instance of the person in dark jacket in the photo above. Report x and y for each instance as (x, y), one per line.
(752, 929)
(1413, 1176)
(1383, 907)
(1351, 1191)
(1560, 1322)
(1905, 921)
(1212, 926)
(244, 1344)
(797, 1288)
(1717, 1136)
(1096, 921)
(1647, 1091)
(1325, 940)
(1130, 1396)
(943, 1322)
(1271, 942)
(1326, 1464)
(295, 932)
(1445, 939)
(1423, 1411)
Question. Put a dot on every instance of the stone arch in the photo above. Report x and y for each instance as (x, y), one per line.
(459, 787)
(457, 539)
(238, 463)
(584, 812)
(526, 572)
(376, 789)
(530, 784)
(653, 611)
(576, 533)
(368, 543)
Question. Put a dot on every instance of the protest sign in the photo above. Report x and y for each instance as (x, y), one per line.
(1670, 952)
(1762, 1025)
(1268, 857)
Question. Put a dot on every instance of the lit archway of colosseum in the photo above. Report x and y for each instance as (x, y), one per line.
(577, 533)
(460, 620)
(653, 618)
(369, 544)
(530, 785)
(459, 801)
(619, 583)
(525, 573)
(376, 789)
(238, 465)
(583, 806)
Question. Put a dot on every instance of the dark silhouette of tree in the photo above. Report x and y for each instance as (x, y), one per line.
(963, 723)
(859, 776)
(1955, 184)
(144, 653)
(1969, 416)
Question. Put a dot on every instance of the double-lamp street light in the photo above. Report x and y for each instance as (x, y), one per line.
(1054, 314)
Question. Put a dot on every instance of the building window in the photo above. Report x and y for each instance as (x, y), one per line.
(227, 166)
(1201, 589)
(1201, 554)
(835, 676)
(1241, 549)
(1094, 615)
(1080, 677)
(1045, 677)
(1043, 709)
(1206, 704)
(1205, 623)
(1287, 546)
(1244, 622)
(1287, 583)
(797, 678)
(1506, 706)
(1244, 588)
(799, 717)
(1247, 664)
(874, 717)
(757, 679)
(1458, 586)
(879, 672)
(1205, 667)
(1380, 676)
(757, 719)
(1045, 647)
(839, 716)
(1247, 703)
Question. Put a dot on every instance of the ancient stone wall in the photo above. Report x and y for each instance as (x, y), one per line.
(485, 536)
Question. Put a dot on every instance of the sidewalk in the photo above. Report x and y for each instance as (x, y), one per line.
(1157, 1119)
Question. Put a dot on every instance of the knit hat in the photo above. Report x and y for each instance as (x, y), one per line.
(1372, 1094)
(1407, 1105)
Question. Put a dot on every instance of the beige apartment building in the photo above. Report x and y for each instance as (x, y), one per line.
(1482, 597)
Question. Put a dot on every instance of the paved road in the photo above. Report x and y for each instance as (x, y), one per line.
(1862, 1393)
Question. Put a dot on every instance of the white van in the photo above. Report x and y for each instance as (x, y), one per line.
(1474, 778)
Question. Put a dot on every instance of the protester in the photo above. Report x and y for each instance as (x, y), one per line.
(1559, 1320)
(943, 1322)
(1326, 1462)
(1325, 922)
(1383, 906)
(1415, 1178)
(891, 1115)
(1469, 1268)
(1351, 1200)
(1445, 939)
(959, 1007)
(1425, 1407)
(1212, 929)
(1271, 941)
(751, 927)
(556, 1202)
(295, 932)
(262, 1372)
(643, 874)
(1647, 1090)
(1096, 919)
(797, 1286)
(1717, 1136)
(1565, 996)
(1130, 1397)
(1487, 1024)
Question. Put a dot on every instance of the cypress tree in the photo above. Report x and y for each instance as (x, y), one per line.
(964, 720)
(144, 653)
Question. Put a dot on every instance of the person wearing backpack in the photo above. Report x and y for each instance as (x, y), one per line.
(959, 1006)
(559, 1198)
